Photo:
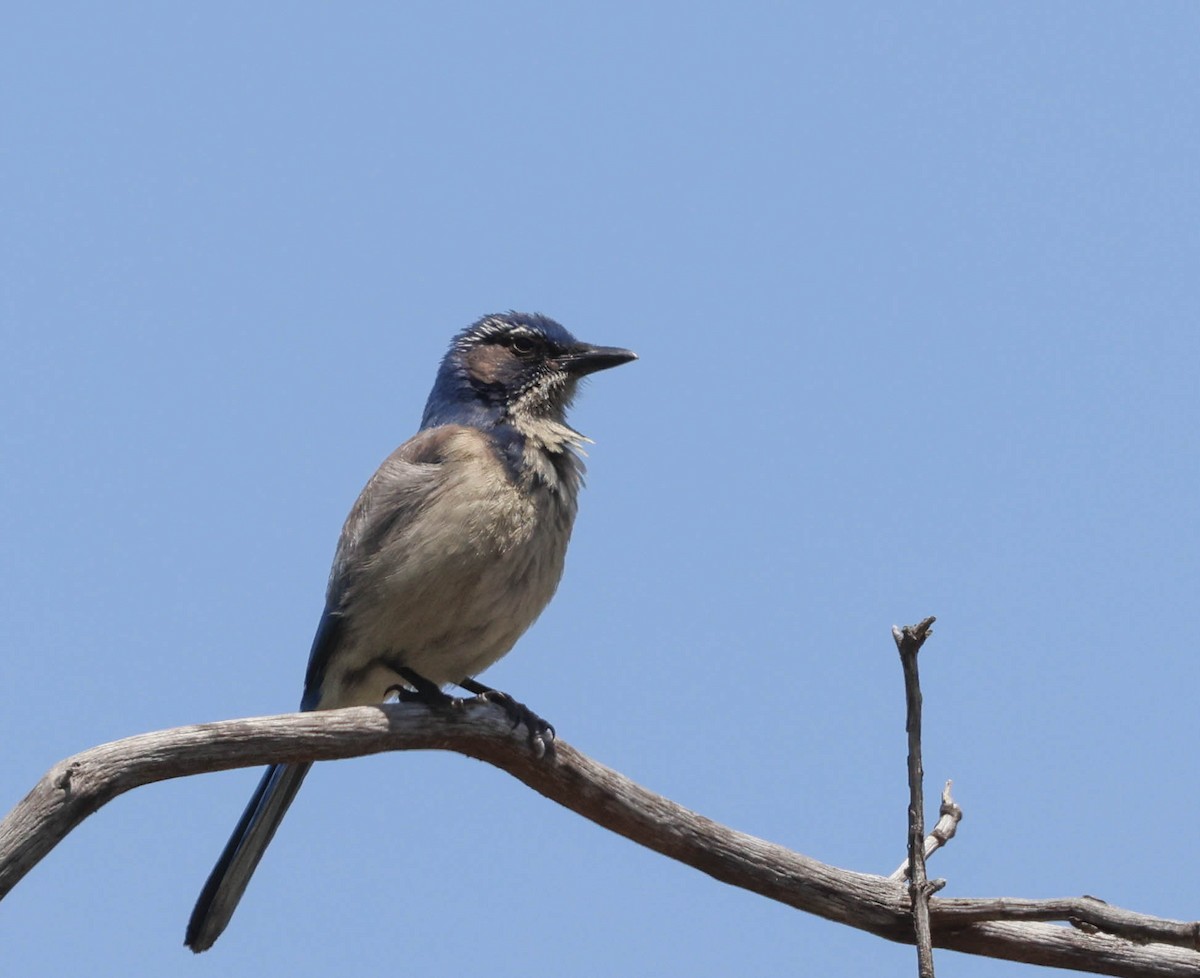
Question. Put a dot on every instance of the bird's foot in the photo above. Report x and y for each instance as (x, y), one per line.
(418, 689)
(406, 694)
(541, 733)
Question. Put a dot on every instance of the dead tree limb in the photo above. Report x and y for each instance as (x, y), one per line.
(908, 642)
(1104, 940)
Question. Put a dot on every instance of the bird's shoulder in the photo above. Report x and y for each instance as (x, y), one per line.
(412, 474)
(503, 458)
(423, 462)
(443, 466)
(437, 445)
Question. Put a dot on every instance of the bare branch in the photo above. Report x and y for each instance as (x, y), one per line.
(909, 640)
(1012, 929)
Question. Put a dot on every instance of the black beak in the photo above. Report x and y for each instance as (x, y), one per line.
(584, 359)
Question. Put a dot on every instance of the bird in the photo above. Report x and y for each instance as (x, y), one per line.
(453, 548)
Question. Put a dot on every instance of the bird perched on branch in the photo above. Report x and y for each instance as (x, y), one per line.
(453, 548)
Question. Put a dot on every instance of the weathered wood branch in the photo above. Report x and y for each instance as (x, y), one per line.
(1103, 938)
(908, 642)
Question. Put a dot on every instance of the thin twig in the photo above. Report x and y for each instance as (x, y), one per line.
(947, 824)
(909, 641)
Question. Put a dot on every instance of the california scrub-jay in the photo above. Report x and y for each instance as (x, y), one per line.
(453, 548)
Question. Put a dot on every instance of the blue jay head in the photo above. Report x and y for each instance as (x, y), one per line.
(515, 367)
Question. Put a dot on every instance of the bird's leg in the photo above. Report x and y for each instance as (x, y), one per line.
(541, 733)
(420, 690)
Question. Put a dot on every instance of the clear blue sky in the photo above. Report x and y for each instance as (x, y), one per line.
(915, 292)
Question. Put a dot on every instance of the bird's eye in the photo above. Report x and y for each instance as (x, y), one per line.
(522, 346)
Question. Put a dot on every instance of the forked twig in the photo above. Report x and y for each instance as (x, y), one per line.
(947, 824)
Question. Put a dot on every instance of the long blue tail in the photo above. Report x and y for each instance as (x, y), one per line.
(227, 882)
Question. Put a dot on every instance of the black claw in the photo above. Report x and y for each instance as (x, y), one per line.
(541, 733)
(421, 690)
